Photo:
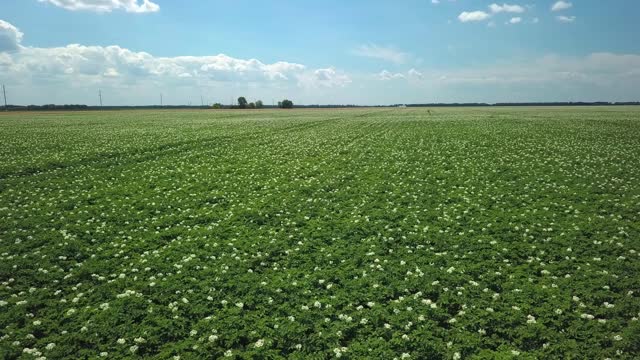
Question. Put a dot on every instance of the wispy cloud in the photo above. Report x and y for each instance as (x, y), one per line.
(382, 53)
(387, 75)
(566, 19)
(596, 68)
(495, 8)
(132, 6)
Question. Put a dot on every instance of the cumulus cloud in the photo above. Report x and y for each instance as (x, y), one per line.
(322, 79)
(382, 53)
(76, 66)
(469, 16)
(73, 73)
(10, 37)
(132, 6)
(495, 8)
(415, 74)
(515, 20)
(387, 75)
(115, 61)
(561, 5)
(328, 77)
(566, 19)
(466, 16)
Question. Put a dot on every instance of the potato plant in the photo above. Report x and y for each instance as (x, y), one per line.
(316, 234)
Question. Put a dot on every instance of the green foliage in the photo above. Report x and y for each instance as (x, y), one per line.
(259, 104)
(217, 106)
(360, 233)
(285, 104)
(242, 102)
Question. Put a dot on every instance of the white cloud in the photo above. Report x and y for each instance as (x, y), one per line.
(96, 62)
(111, 72)
(78, 69)
(515, 20)
(73, 73)
(535, 20)
(415, 74)
(596, 77)
(382, 53)
(10, 37)
(132, 6)
(473, 16)
(566, 19)
(387, 75)
(468, 16)
(595, 69)
(495, 8)
(561, 5)
(436, 2)
(328, 77)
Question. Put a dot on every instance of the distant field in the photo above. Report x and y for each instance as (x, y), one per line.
(372, 233)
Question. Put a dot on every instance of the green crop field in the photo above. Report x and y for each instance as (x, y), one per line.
(375, 233)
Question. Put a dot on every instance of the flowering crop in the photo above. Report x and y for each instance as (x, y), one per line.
(362, 233)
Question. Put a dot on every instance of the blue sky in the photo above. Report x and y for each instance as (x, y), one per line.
(362, 52)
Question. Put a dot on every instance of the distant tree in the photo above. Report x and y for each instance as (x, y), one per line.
(259, 104)
(217, 106)
(242, 102)
(280, 104)
(285, 104)
(252, 105)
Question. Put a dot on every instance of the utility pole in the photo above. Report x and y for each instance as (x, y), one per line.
(160, 99)
(4, 92)
(201, 101)
(100, 96)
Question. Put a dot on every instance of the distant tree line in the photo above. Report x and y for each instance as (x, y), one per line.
(48, 107)
(242, 103)
(78, 107)
(288, 104)
(285, 104)
(579, 103)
